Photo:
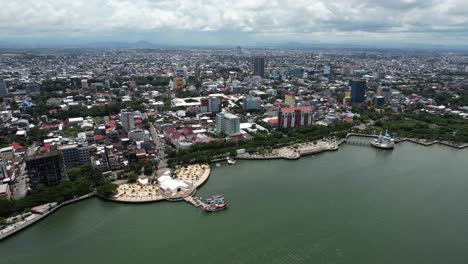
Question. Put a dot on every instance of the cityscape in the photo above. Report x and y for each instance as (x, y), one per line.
(130, 130)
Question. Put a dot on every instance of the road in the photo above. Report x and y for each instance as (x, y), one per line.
(20, 187)
(160, 146)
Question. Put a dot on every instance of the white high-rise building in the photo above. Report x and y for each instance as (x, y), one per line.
(75, 155)
(227, 123)
(127, 119)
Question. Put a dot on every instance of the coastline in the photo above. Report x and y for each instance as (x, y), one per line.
(206, 173)
(420, 141)
(39, 217)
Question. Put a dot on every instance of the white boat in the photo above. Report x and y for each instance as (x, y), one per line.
(231, 161)
(383, 141)
(218, 164)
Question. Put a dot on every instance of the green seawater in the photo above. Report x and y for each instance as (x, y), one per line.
(356, 205)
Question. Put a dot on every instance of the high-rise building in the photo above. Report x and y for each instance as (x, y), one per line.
(214, 104)
(3, 88)
(227, 123)
(387, 94)
(128, 120)
(251, 103)
(3, 170)
(84, 84)
(33, 88)
(297, 73)
(45, 168)
(358, 91)
(75, 155)
(294, 117)
(259, 66)
(211, 104)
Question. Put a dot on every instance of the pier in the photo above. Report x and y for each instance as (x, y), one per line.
(360, 140)
(197, 202)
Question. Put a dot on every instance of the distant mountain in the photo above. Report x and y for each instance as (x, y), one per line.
(142, 44)
(122, 45)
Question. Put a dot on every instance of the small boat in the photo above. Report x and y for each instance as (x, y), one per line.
(215, 207)
(231, 161)
(218, 165)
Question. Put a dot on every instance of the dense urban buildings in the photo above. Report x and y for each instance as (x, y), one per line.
(118, 110)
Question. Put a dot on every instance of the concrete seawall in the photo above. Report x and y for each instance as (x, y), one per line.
(412, 140)
(42, 216)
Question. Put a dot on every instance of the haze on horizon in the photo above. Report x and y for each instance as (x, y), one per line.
(235, 22)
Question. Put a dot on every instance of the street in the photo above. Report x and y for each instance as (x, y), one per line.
(160, 145)
(20, 187)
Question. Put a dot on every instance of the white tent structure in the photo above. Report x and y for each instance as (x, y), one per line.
(143, 182)
(168, 184)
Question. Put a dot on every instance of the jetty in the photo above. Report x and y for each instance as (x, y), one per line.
(195, 201)
(199, 203)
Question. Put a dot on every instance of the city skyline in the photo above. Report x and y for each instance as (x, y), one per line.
(209, 23)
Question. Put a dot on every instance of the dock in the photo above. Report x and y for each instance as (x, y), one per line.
(197, 202)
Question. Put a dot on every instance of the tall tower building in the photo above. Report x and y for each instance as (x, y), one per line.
(75, 155)
(3, 89)
(227, 123)
(3, 170)
(259, 66)
(127, 119)
(358, 90)
(45, 168)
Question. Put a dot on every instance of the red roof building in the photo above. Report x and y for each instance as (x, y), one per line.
(293, 117)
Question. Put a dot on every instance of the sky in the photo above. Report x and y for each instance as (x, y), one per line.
(236, 22)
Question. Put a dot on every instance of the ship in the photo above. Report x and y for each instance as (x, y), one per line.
(215, 203)
(383, 141)
(215, 207)
(231, 161)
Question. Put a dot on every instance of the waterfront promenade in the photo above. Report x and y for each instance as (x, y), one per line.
(423, 142)
(193, 175)
(294, 152)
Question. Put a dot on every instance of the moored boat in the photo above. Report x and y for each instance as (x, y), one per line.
(231, 161)
(215, 207)
(383, 141)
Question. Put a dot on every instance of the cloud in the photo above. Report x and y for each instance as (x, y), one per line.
(260, 17)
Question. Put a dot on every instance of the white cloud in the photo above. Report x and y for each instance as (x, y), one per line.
(262, 17)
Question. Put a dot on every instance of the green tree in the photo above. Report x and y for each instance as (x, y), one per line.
(132, 177)
(6, 207)
(148, 170)
(74, 173)
(107, 190)
(83, 186)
